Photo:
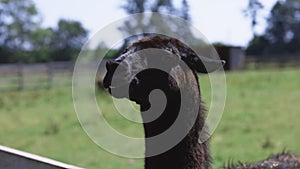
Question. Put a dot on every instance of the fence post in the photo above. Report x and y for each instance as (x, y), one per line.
(21, 76)
(50, 74)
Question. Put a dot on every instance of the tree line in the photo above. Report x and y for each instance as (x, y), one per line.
(282, 34)
(23, 39)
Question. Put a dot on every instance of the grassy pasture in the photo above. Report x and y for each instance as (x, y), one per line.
(261, 117)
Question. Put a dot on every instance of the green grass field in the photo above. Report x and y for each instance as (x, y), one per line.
(261, 118)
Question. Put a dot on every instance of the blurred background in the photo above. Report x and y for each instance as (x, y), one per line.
(40, 41)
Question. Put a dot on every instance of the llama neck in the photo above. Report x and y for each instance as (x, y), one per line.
(188, 153)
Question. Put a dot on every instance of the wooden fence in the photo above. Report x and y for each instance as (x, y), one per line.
(54, 74)
(32, 76)
(277, 62)
(38, 76)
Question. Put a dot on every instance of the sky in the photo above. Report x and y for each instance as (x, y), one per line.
(218, 20)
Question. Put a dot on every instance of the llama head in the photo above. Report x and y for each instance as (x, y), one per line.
(154, 63)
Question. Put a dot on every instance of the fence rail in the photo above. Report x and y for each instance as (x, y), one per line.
(25, 76)
(54, 74)
(38, 76)
(263, 62)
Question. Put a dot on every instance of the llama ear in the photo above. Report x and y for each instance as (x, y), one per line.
(207, 65)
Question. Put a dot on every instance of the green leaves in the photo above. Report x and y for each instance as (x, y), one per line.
(282, 35)
(68, 39)
(22, 38)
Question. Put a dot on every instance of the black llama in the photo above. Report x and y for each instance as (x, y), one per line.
(189, 153)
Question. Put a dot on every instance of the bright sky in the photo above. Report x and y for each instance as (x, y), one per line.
(219, 20)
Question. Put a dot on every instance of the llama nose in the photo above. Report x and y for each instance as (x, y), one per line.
(106, 82)
(115, 74)
(111, 66)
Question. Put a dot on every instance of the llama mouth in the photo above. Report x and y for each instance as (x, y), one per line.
(112, 87)
(118, 86)
(118, 91)
(123, 85)
(108, 84)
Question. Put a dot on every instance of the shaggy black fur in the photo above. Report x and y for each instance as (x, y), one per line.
(285, 160)
(188, 153)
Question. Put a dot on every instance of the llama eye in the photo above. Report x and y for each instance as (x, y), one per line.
(135, 81)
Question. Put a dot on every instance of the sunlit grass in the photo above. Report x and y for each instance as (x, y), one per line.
(261, 117)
